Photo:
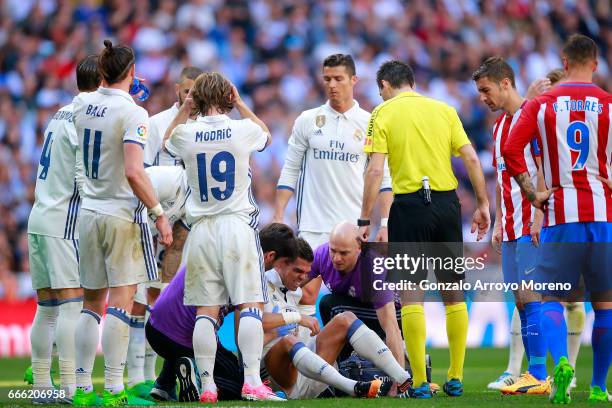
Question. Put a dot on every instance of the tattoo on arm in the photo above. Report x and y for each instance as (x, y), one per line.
(524, 181)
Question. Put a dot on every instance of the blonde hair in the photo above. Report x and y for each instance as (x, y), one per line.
(555, 76)
(212, 89)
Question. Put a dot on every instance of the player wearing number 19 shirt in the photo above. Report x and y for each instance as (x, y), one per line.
(224, 257)
(114, 241)
(573, 124)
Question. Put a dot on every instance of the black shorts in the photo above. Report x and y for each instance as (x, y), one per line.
(411, 220)
(433, 230)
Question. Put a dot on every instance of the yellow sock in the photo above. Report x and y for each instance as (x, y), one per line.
(413, 327)
(456, 330)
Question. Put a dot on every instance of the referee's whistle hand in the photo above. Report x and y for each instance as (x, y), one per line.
(481, 221)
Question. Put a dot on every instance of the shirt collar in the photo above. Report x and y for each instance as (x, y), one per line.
(212, 118)
(274, 278)
(115, 91)
(349, 114)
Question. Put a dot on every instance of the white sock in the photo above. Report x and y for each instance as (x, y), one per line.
(115, 341)
(136, 351)
(204, 350)
(314, 367)
(250, 344)
(368, 345)
(86, 338)
(41, 338)
(575, 325)
(69, 313)
(515, 359)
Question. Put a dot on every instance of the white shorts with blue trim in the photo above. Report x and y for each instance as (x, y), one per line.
(54, 262)
(224, 263)
(114, 252)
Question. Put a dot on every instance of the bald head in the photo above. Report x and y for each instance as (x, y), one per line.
(344, 247)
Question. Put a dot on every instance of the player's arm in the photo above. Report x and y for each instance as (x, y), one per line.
(496, 237)
(388, 322)
(371, 187)
(538, 217)
(296, 149)
(513, 152)
(141, 185)
(181, 117)
(272, 321)
(246, 113)
(173, 255)
(481, 219)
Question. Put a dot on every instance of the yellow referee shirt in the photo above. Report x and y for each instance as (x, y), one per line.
(418, 134)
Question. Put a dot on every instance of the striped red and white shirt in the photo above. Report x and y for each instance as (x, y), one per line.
(517, 212)
(573, 123)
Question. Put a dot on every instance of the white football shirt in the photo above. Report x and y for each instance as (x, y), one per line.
(280, 299)
(325, 165)
(57, 201)
(104, 121)
(170, 186)
(155, 155)
(216, 151)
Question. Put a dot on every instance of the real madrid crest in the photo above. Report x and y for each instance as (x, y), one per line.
(320, 121)
(358, 135)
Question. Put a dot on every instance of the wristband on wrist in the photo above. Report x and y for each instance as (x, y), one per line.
(156, 211)
(291, 317)
(363, 222)
(384, 222)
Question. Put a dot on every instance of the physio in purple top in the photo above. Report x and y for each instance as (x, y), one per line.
(340, 264)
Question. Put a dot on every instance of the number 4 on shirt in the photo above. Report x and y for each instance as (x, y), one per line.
(45, 157)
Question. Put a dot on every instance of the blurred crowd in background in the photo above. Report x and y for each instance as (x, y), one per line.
(272, 51)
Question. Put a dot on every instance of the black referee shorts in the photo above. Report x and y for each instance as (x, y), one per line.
(411, 220)
(426, 229)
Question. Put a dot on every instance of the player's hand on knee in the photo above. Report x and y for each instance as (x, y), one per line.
(165, 231)
(311, 323)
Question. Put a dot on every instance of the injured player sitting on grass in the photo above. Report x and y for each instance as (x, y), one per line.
(304, 368)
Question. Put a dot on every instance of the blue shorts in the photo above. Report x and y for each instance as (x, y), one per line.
(518, 260)
(571, 251)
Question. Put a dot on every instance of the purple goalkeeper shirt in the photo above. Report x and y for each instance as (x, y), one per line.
(348, 283)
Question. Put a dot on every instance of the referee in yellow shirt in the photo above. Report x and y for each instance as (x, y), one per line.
(419, 135)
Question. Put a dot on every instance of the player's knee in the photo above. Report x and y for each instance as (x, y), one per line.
(344, 320)
(287, 342)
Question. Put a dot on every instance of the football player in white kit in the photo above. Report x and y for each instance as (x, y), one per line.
(304, 369)
(114, 241)
(325, 163)
(224, 258)
(141, 357)
(170, 186)
(53, 244)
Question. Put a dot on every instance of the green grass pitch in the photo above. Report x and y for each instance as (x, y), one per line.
(482, 366)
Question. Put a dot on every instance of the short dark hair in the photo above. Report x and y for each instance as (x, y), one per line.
(189, 73)
(496, 69)
(279, 238)
(579, 49)
(555, 75)
(396, 73)
(114, 62)
(345, 60)
(304, 250)
(87, 74)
